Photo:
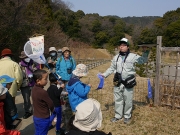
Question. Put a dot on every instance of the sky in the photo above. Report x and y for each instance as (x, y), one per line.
(124, 8)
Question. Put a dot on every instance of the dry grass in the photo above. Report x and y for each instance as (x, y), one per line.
(169, 57)
(145, 120)
(90, 53)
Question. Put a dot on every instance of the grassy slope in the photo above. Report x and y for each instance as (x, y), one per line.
(90, 53)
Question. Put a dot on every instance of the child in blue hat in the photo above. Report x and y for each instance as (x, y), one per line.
(10, 110)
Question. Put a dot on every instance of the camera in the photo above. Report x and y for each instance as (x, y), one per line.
(30, 78)
(69, 70)
(117, 79)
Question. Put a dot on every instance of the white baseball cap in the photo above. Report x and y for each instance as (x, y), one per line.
(125, 41)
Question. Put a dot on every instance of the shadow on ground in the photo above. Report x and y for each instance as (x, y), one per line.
(28, 130)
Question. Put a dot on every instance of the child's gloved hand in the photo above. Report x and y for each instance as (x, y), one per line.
(89, 85)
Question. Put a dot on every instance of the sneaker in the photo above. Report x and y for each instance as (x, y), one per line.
(115, 119)
(27, 115)
(127, 120)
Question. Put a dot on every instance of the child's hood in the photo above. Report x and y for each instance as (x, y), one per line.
(72, 83)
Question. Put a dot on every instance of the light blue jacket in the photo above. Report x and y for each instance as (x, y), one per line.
(77, 92)
(128, 68)
(62, 65)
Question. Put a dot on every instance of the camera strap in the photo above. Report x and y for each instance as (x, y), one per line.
(124, 60)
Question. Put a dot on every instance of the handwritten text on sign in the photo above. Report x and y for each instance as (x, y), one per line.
(37, 47)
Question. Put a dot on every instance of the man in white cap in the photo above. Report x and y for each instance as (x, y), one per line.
(124, 79)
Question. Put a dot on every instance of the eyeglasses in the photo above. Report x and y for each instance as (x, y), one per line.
(60, 52)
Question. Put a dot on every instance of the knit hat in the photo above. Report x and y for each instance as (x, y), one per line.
(6, 52)
(81, 70)
(125, 41)
(23, 55)
(65, 49)
(3, 90)
(88, 116)
(52, 49)
(4, 79)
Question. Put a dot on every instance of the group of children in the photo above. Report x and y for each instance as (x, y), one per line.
(45, 101)
(46, 104)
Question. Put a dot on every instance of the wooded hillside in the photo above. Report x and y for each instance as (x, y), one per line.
(21, 19)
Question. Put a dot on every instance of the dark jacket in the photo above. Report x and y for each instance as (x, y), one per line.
(54, 94)
(79, 132)
(10, 110)
(41, 102)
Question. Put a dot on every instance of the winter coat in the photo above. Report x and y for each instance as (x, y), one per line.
(77, 92)
(63, 65)
(128, 68)
(12, 69)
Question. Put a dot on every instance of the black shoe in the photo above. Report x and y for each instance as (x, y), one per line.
(115, 119)
(27, 115)
(127, 120)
